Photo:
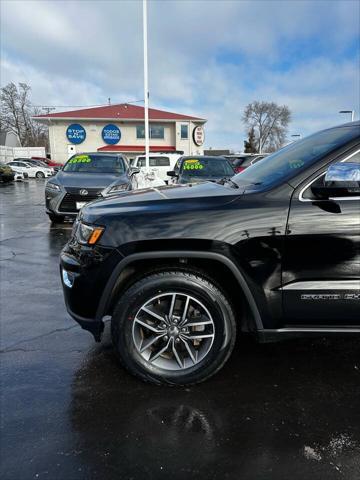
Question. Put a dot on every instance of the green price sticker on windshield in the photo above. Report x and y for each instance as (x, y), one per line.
(80, 159)
(193, 164)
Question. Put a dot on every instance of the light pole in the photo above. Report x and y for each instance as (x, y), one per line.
(349, 111)
(146, 88)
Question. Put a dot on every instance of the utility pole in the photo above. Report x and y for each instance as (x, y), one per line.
(146, 87)
(48, 109)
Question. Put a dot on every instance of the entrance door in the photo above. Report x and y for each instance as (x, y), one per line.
(321, 265)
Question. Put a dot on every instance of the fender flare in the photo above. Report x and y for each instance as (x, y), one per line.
(106, 295)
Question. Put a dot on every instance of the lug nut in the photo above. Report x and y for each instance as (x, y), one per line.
(166, 338)
(184, 330)
(163, 325)
(175, 321)
(177, 340)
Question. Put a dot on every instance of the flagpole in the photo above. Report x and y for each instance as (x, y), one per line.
(146, 86)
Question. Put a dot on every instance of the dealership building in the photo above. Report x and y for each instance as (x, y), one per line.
(120, 128)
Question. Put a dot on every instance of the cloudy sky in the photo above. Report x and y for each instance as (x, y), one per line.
(206, 57)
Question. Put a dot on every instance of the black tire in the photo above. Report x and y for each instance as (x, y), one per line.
(40, 175)
(55, 218)
(183, 283)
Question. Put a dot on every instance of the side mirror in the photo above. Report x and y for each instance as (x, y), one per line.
(341, 180)
(134, 170)
(172, 173)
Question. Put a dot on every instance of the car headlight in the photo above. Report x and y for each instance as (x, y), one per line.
(88, 234)
(118, 188)
(52, 186)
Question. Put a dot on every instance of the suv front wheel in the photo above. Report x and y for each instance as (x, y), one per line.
(173, 327)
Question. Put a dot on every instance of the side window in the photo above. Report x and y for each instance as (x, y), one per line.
(160, 162)
(184, 132)
(141, 162)
(177, 165)
(354, 159)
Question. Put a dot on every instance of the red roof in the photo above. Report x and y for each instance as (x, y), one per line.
(135, 148)
(121, 111)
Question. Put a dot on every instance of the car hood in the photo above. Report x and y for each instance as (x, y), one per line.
(160, 198)
(88, 180)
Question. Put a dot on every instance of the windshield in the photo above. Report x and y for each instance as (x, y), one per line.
(290, 160)
(206, 167)
(88, 163)
(40, 164)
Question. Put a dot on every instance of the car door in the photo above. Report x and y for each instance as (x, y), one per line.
(18, 166)
(321, 264)
(29, 169)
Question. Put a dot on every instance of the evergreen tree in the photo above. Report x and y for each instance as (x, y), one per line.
(250, 143)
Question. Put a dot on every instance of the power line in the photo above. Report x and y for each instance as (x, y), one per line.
(52, 107)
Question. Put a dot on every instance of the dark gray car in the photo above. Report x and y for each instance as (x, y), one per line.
(86, 177)
(193, 169)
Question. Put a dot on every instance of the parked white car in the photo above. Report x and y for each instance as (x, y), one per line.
(159, 163)
(33, 171)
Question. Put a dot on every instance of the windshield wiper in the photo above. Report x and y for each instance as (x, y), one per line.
(228, 180)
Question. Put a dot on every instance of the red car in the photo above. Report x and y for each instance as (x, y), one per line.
(50, 163)
(241, 162)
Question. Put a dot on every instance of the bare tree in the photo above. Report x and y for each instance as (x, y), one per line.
(269, 123)
(16, 115)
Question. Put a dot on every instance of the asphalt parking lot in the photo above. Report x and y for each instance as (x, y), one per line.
(69, 411)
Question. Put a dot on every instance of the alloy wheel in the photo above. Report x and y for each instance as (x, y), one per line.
(173, 331)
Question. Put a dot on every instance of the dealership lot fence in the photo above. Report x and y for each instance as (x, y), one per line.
(7, 154)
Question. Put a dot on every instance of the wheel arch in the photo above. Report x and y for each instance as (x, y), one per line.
(125, 273)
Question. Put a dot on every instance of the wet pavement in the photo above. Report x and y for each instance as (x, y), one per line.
(69, 411)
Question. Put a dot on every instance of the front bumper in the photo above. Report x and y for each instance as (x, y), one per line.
(65, 202)
(7, 177)
(84, 274)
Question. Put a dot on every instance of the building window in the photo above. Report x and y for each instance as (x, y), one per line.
(184, 132)
(140, 131)
(156, 131)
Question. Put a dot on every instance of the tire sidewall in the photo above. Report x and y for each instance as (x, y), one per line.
(197, 287)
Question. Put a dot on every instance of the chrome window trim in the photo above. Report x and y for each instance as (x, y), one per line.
(302, 199)
(323, 285)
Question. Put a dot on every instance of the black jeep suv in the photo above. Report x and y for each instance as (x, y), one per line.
(274, 250)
